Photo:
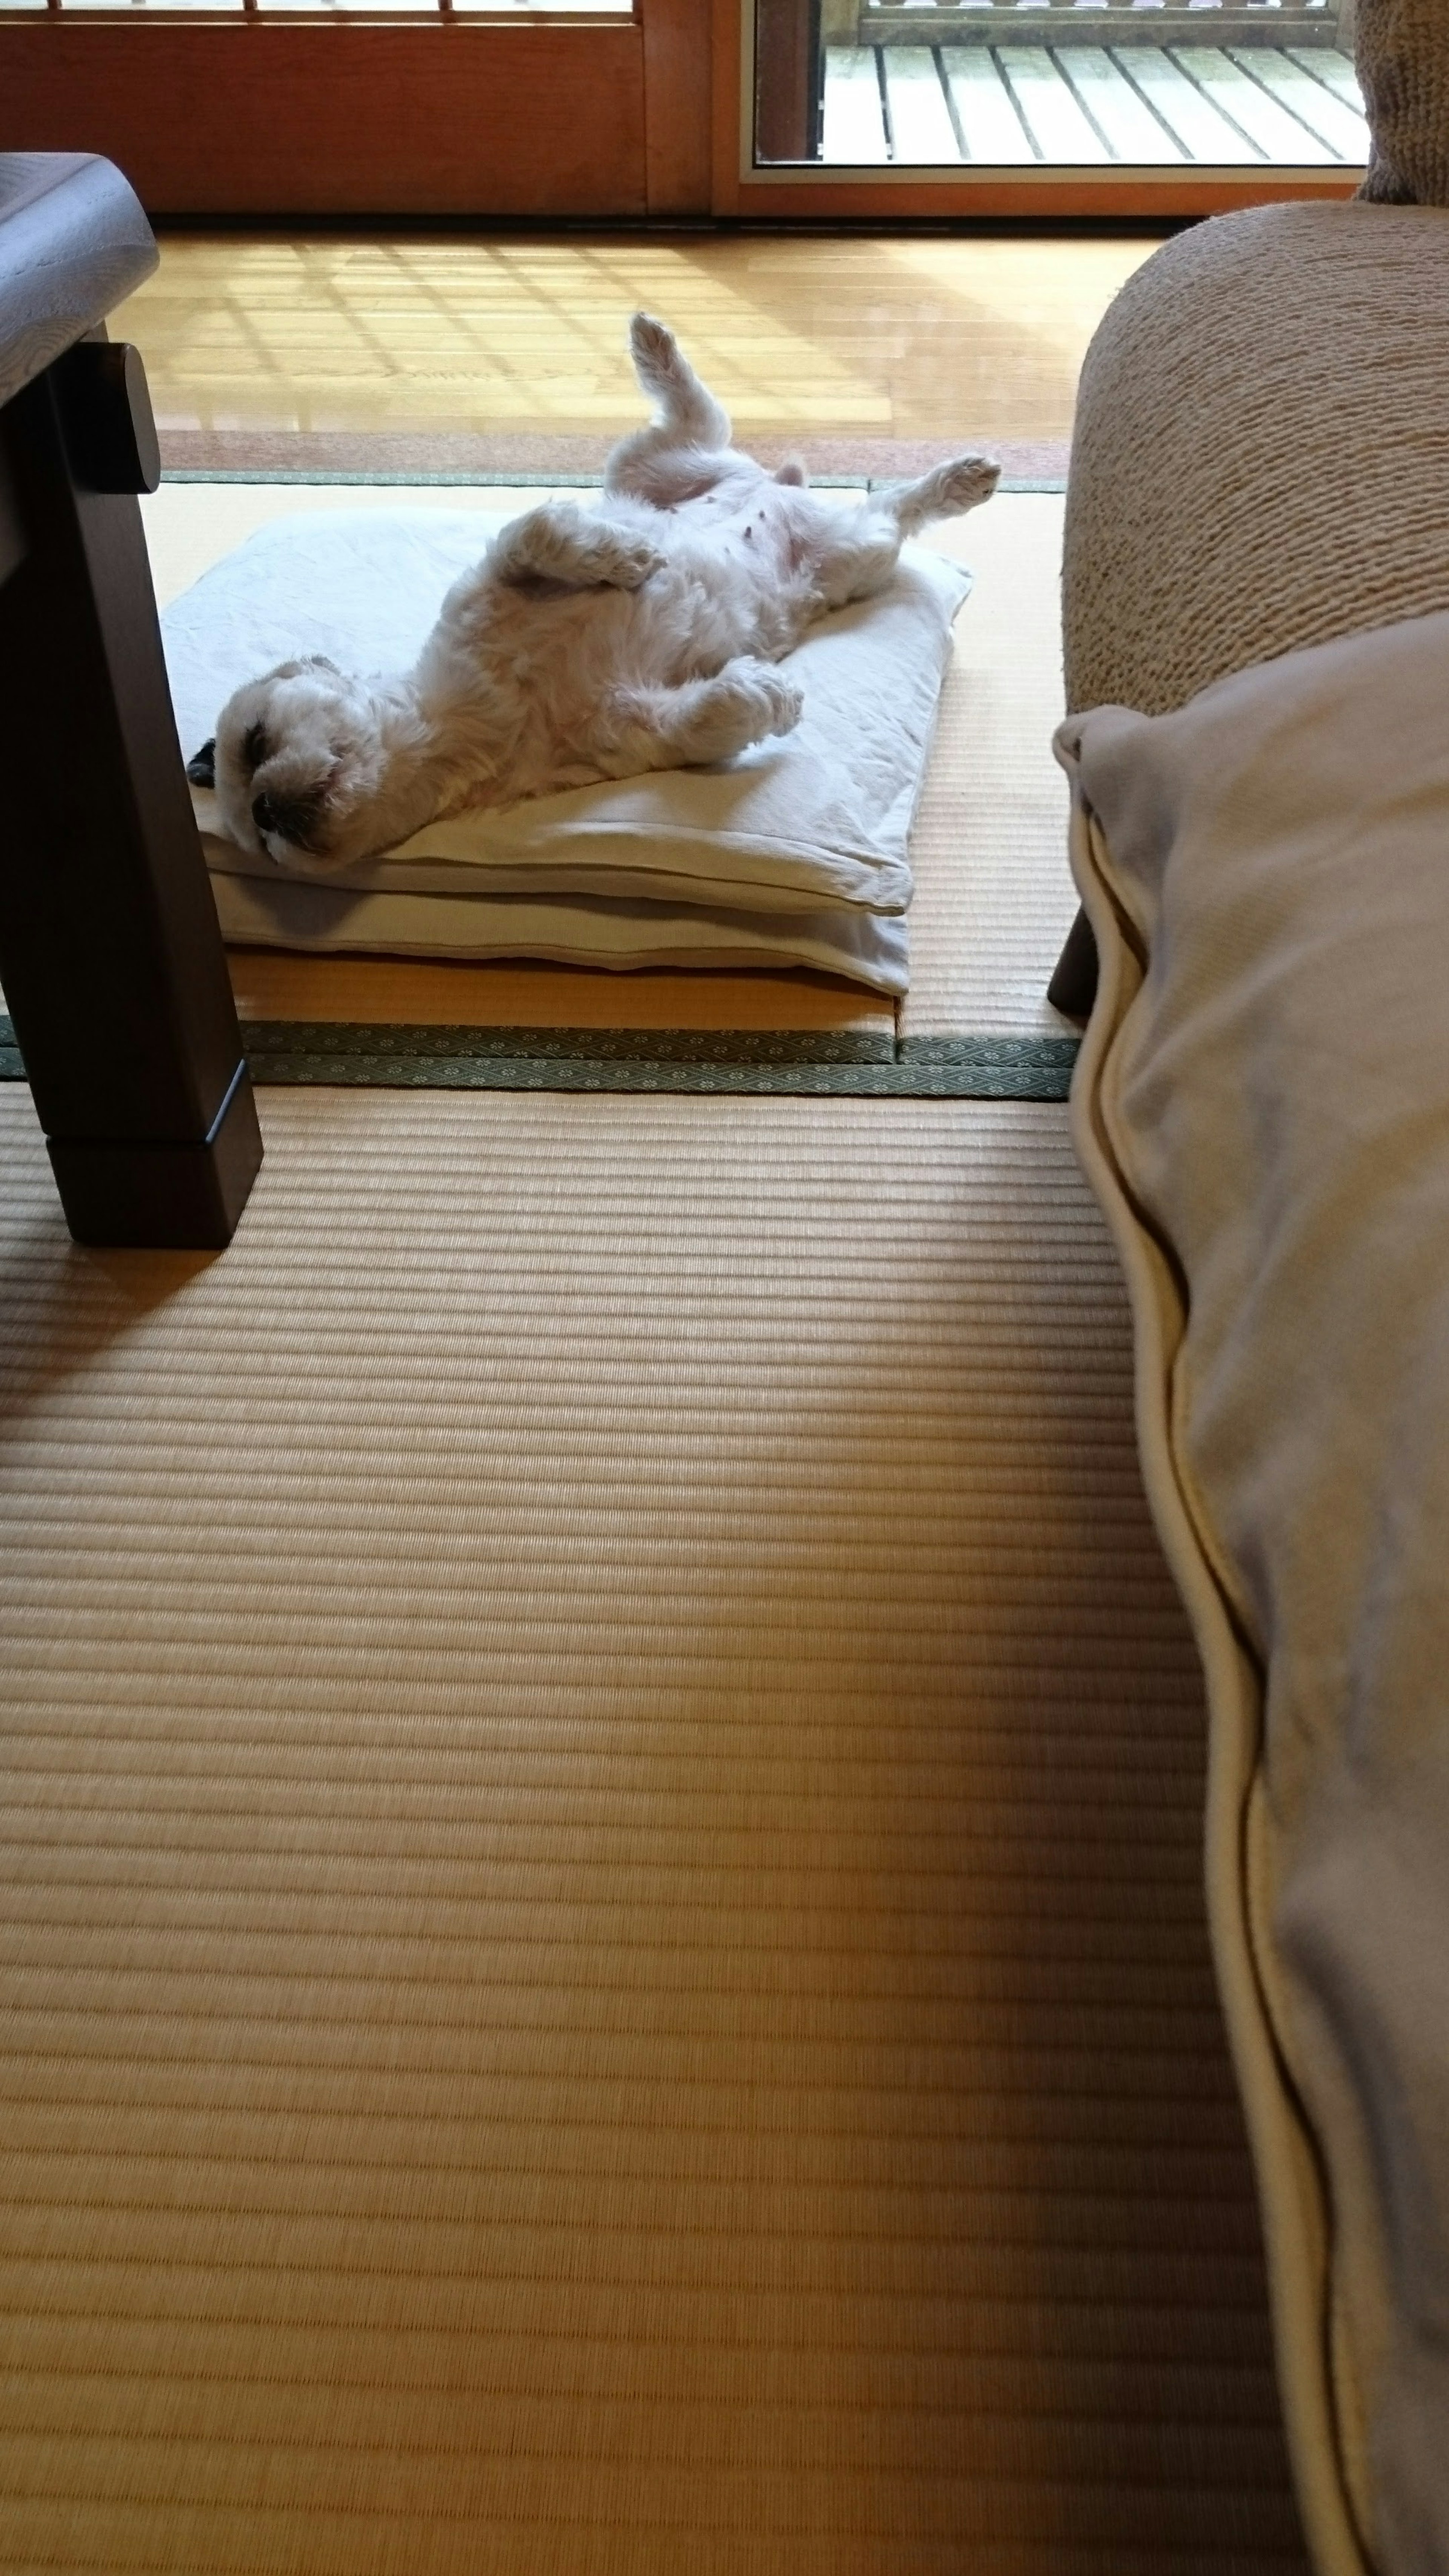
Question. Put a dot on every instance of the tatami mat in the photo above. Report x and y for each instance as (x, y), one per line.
(604, 1965)
(994, 897)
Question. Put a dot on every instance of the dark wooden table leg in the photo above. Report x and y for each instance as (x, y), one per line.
(110, 954)
(1073, 988)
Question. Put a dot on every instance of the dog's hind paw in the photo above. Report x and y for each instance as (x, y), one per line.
(746, 703)
(654, 349)
(775, 703)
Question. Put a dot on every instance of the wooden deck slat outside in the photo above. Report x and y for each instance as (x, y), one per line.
(1203, 131)
(1279, 135)
(1086, 105)
(1156, 24)
(1340, 127)
(854, 127)
(921, 123)
(1048, 109)
(1134, 133)
(990, 126)
(1334, 70)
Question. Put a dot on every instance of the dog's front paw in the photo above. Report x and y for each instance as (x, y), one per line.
(762, 693)
(631, 560)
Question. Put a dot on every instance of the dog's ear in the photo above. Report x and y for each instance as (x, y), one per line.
(201, 767)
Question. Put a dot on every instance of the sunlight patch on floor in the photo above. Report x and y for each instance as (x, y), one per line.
(919, 338)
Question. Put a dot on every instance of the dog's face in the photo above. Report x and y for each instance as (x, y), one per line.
(298, 762)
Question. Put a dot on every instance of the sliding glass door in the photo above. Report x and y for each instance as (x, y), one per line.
(1251, 97)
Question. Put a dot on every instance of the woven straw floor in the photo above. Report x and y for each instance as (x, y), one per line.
(604, 1967)
(994, 900)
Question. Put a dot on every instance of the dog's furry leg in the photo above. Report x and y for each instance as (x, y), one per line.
(703, 721)
(688, 414)
(947, 492)
(560, 542)
(860, 551)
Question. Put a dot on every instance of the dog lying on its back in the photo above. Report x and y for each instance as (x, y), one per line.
(641, 633)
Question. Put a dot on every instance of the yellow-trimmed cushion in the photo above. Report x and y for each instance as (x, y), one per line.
(1262, 1103)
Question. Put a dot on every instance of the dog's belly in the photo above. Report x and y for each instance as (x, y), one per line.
(742, 584)
(556, 664)
(719, 593)
(749, 522)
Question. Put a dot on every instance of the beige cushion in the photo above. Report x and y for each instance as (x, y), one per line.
(1401, 55)
(1262, 1103)
(1261, 452)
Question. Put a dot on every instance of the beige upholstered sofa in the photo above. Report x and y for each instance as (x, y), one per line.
(1257, 565)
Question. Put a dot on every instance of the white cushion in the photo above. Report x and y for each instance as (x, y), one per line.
(605, 932)
(1262, 1102)
(796, 852)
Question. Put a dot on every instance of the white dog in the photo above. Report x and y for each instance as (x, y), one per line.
(641, 633)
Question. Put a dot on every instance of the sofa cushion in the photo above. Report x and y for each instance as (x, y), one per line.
(1401, 55)
(1262, 1102)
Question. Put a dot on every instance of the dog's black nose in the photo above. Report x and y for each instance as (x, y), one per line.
(292, 819)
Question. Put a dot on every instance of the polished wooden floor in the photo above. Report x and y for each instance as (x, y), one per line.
(906, 338)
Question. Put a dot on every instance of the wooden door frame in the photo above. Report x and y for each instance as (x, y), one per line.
(678, 106)
(634, 118)
(744, 192)
(455, 116)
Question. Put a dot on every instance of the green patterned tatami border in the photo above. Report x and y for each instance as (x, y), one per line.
(802, 1064)
(799, 1062)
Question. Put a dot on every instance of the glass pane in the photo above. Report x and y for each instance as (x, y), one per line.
(1086, 85)
(337, 8)
(543, 8)
(146, 8)
(591, 9)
